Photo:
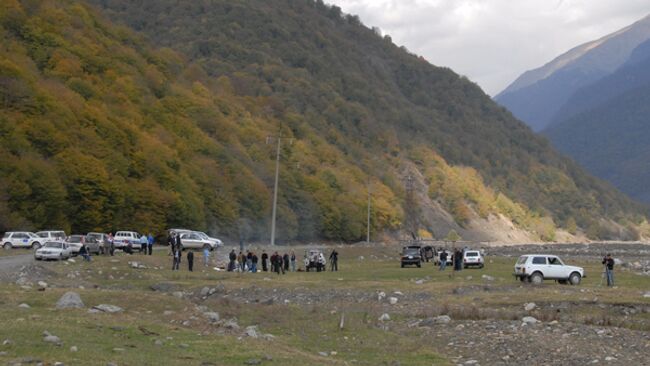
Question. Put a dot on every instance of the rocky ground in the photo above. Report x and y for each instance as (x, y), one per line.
(475, 317)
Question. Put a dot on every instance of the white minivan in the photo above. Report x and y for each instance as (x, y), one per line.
(124, 239)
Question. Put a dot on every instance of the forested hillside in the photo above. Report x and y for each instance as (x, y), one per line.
(100, 130)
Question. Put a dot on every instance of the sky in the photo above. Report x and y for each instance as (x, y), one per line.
(492, 42)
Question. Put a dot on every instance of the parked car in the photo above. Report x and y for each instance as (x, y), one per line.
(315, 259)
(21, 239)
(536, 268)
(473, 258)
(76, 241)
(450, 259)
(194, 240)
(52, 235)
(428, 253)
(124, 239)
(58, 250)
(102, 239)
(411, 256)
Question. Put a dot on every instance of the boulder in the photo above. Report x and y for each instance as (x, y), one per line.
(392, 300)
(52, 339)
(251, 331)
(212, 316)
(530, 306)
(108, 308)
(529, 320)
(487, 278)
(24, 306)
(384, 317)
(70, 300)
(204, 292)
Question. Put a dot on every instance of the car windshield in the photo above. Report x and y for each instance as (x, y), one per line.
(411, 251)
(522, 259)
(32, 235)
(202, 235)
(52, 244)
(471, 254)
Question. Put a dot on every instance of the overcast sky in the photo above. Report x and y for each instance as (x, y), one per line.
(494, 41)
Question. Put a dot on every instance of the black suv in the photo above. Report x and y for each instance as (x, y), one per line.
(411, 256)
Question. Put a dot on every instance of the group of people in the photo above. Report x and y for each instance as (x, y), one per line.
(248, 262)
(456, 259)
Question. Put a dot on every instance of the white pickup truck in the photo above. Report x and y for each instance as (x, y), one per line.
(536, 268)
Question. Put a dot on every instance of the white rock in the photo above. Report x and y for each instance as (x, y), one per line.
(168, 312)
(398, 293)
(530, 306)
(381, 295)
(419, 282)
(24, 306)
(74, 349)
(70, 300)
(42, 284)
(487, 278)
(158, 342)
(529, 320)
(212, 316)
(646, 295)
(107, 308)
(72, 260)
(393, 300)
(251, 331)
(177, 294)
(442, 319)
(384, 317)
(205, 291)
(52, 339)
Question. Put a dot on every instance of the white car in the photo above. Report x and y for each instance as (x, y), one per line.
(21, 239)
(52, 235)
(194, 240)
(215, 242)
(536, 268)
(126, 238)
(53, 250)
(473, 258)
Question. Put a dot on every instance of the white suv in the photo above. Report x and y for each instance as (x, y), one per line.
(536, 268)
(473, 258)
(126, 238)
(21, 239)
(52, 235)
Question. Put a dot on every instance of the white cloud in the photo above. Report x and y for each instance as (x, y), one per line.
(494, 41)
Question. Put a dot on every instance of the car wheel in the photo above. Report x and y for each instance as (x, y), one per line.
(537, 278)
(522, 279)
(7, 246)
(402, 265)
(419, 265)
(36, 245)
(481, 266)
(575, 278)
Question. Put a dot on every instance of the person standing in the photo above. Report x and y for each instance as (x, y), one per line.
(458, 260)
(293, 261)
(249, 261)
(143, 244)
(265, 259)
(111, 245)
(150, 241)
(608, 261)
(443, 260)
(171, 241)
(240, 261)
(232, 258)
(334, 261)
(176, 254)
(206, 257)
(190, 260)
(285, 262)
(254, 263)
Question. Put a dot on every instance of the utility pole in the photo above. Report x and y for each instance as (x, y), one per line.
(275, 185)
(368, 223)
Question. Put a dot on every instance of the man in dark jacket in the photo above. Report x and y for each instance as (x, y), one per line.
(285, 263)
(334, 260)
(232, 257)
(608, 261)
(443, 260)
(265, 259)
(190, 260)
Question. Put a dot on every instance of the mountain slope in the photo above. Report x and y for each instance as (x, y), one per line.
(99, 130)
(323, 64)
(537, 95)
(605, 127)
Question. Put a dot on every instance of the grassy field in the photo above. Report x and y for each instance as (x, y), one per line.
(305, 331)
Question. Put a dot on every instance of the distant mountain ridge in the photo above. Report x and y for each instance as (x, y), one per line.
(537, 95)
(605, 126)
